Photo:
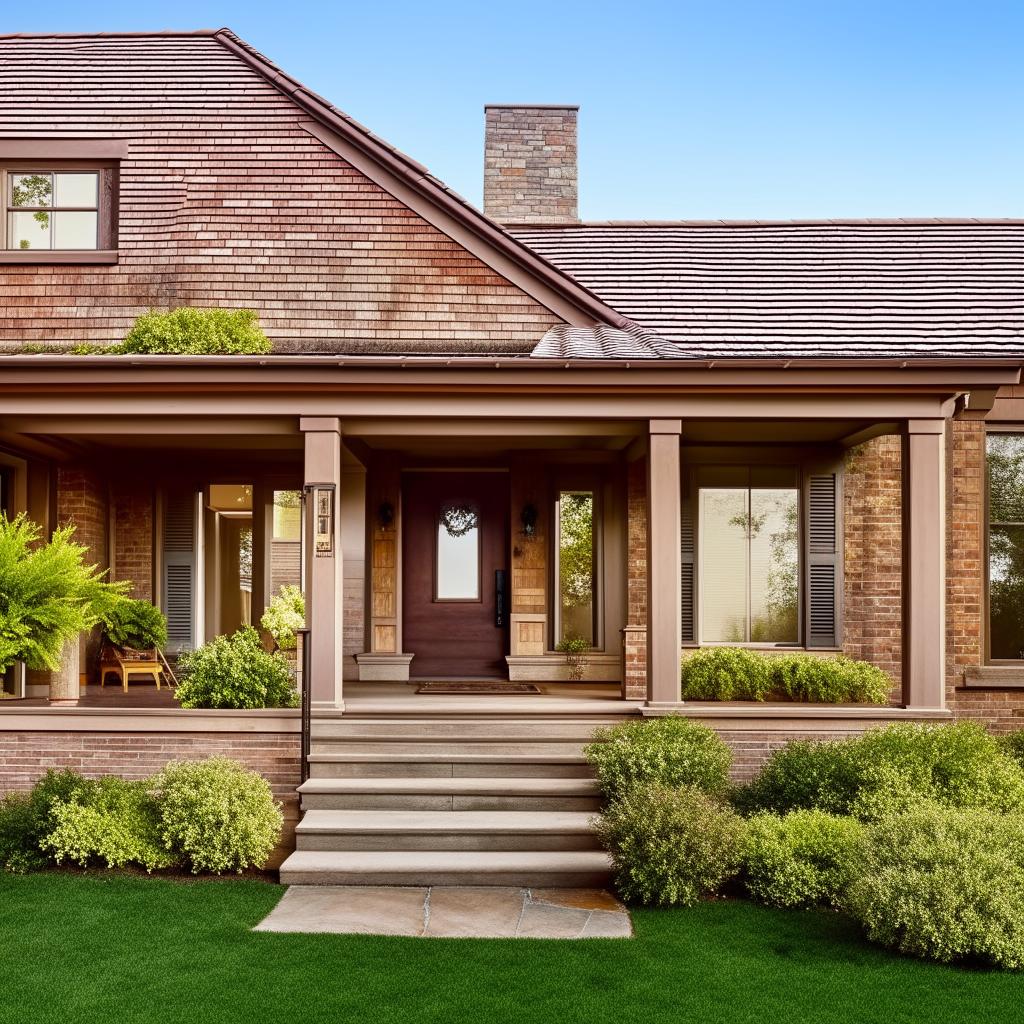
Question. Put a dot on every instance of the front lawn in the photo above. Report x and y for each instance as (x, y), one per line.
(84, 949)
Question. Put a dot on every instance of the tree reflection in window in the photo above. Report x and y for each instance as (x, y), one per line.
(576, 565)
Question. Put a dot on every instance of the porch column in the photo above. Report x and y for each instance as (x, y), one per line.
(924, 564)
(664, 568)
(323, 569)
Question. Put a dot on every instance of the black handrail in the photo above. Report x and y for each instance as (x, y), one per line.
(305, 690)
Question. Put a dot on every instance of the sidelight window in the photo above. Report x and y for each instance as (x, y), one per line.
(576, 566)
(1006, 546)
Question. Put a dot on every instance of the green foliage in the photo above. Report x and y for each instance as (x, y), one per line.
(235, 672)
(734, 673)
(136, 624)
(958, 765)
(190, 331)
(285, 614)
(670, 751)
(1013, 744)
(48, 595)
(114, 821)
(670, 846)
(799, 860)
(943, 883)
(216, 815)
(27, 818)
(575, 648)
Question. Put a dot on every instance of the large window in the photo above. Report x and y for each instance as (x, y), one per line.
(575, 566)
(1006, 546)
(52, 210)
(749, 562)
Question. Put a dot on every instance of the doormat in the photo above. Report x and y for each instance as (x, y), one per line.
(473, 687)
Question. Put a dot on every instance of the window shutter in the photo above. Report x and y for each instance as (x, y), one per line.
(688, 561)
(179, 569)
(823, 505)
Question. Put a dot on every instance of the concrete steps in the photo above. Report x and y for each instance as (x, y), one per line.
(571, 869)
(341, 763)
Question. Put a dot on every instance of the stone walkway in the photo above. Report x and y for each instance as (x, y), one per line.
(450, 912)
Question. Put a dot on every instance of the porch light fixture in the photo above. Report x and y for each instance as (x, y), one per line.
(385, 514)
(528, 517)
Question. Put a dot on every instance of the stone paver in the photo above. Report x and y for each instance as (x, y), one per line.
(450, 912)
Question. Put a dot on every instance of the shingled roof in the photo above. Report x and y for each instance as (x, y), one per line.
(872, 288)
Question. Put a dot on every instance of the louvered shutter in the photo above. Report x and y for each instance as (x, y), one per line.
(179, 569)
(688, 561)
(823, 602)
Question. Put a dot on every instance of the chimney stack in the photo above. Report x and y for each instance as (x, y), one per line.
(530, 164)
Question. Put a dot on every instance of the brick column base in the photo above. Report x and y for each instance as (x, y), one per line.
(634, 668)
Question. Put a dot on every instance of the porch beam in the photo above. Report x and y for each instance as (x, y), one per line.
(324, 572)
(924, 564)
(664, 563)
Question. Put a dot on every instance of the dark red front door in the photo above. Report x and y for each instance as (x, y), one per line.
(454, 559)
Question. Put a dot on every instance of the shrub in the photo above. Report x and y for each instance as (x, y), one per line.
(27, 818)
(48, 595)
(733, 673)
(575, 648)
(670, 847)
(285, 614)
(670, 751)
(957, 765)
(190, 331)
(114, 821)
(216, 815)
(943, 883)
(1013, 744)
(235, 672)
(799, 860)
(136, 624)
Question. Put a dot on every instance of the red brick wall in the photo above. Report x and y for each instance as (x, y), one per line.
(635, 635)
(133, 537)
(25, 756)
(82, 500)
(227, 201)
(873, 585)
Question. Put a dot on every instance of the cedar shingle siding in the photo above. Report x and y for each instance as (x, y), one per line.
(225, 200)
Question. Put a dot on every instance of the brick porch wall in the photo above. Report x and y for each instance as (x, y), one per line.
(25, 756)
(133, 537)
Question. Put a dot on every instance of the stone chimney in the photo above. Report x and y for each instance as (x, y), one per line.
(530, 164)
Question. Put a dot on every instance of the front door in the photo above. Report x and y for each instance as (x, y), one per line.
(454, 573)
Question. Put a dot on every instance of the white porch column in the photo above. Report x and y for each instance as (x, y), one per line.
(664, 568)
(324, 571)
(924, 564)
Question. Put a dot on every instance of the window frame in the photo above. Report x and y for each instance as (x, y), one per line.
(69, 156)
(992, 428)
(436, 599)
(593, 484)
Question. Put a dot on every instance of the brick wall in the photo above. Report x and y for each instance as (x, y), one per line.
(634, 682)
(530, 165)
(133, 536)
(25, 756)
(873, 584)
(82, 500)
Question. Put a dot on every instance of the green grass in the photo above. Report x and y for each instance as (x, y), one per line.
(121, 949)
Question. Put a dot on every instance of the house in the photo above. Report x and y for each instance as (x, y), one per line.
(481, 434)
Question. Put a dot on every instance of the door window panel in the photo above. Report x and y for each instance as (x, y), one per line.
(458, 554)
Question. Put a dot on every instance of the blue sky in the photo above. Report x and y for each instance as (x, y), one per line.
(762, 109)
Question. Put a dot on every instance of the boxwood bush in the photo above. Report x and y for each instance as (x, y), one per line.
(670, 751)
(235, 672)
(801, 859)
(735, 673)
(191, 331)
(670, 846)
(215, 815)
(958, 765)
(943, 883)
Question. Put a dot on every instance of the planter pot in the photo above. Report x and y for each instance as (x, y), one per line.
(65, 685)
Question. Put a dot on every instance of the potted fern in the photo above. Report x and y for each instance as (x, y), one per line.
(136, 628)
(285, 614)
(49, 596)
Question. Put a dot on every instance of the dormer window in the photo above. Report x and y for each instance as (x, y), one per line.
(59, 200)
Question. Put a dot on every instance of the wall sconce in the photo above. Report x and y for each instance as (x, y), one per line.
(528, 517)
(385, 514)
(323, 519)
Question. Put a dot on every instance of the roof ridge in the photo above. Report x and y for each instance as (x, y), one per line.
(114, 35)
(795, 222)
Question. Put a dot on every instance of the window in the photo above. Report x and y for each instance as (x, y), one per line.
(575, 566)
(457, 558)
(749, 556)
(53, 209)
(1006, 546)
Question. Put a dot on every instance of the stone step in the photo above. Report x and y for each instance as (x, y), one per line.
(444, 747)
(344, 763)
(435, 730)
(451, 793)
(528, 868)
(445, 830)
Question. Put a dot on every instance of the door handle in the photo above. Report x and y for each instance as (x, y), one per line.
(499, 597)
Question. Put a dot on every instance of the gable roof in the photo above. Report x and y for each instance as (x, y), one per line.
(871, 288)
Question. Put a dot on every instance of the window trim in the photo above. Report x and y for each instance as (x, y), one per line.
(74, 155)
(992, 428)
(593, 484)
